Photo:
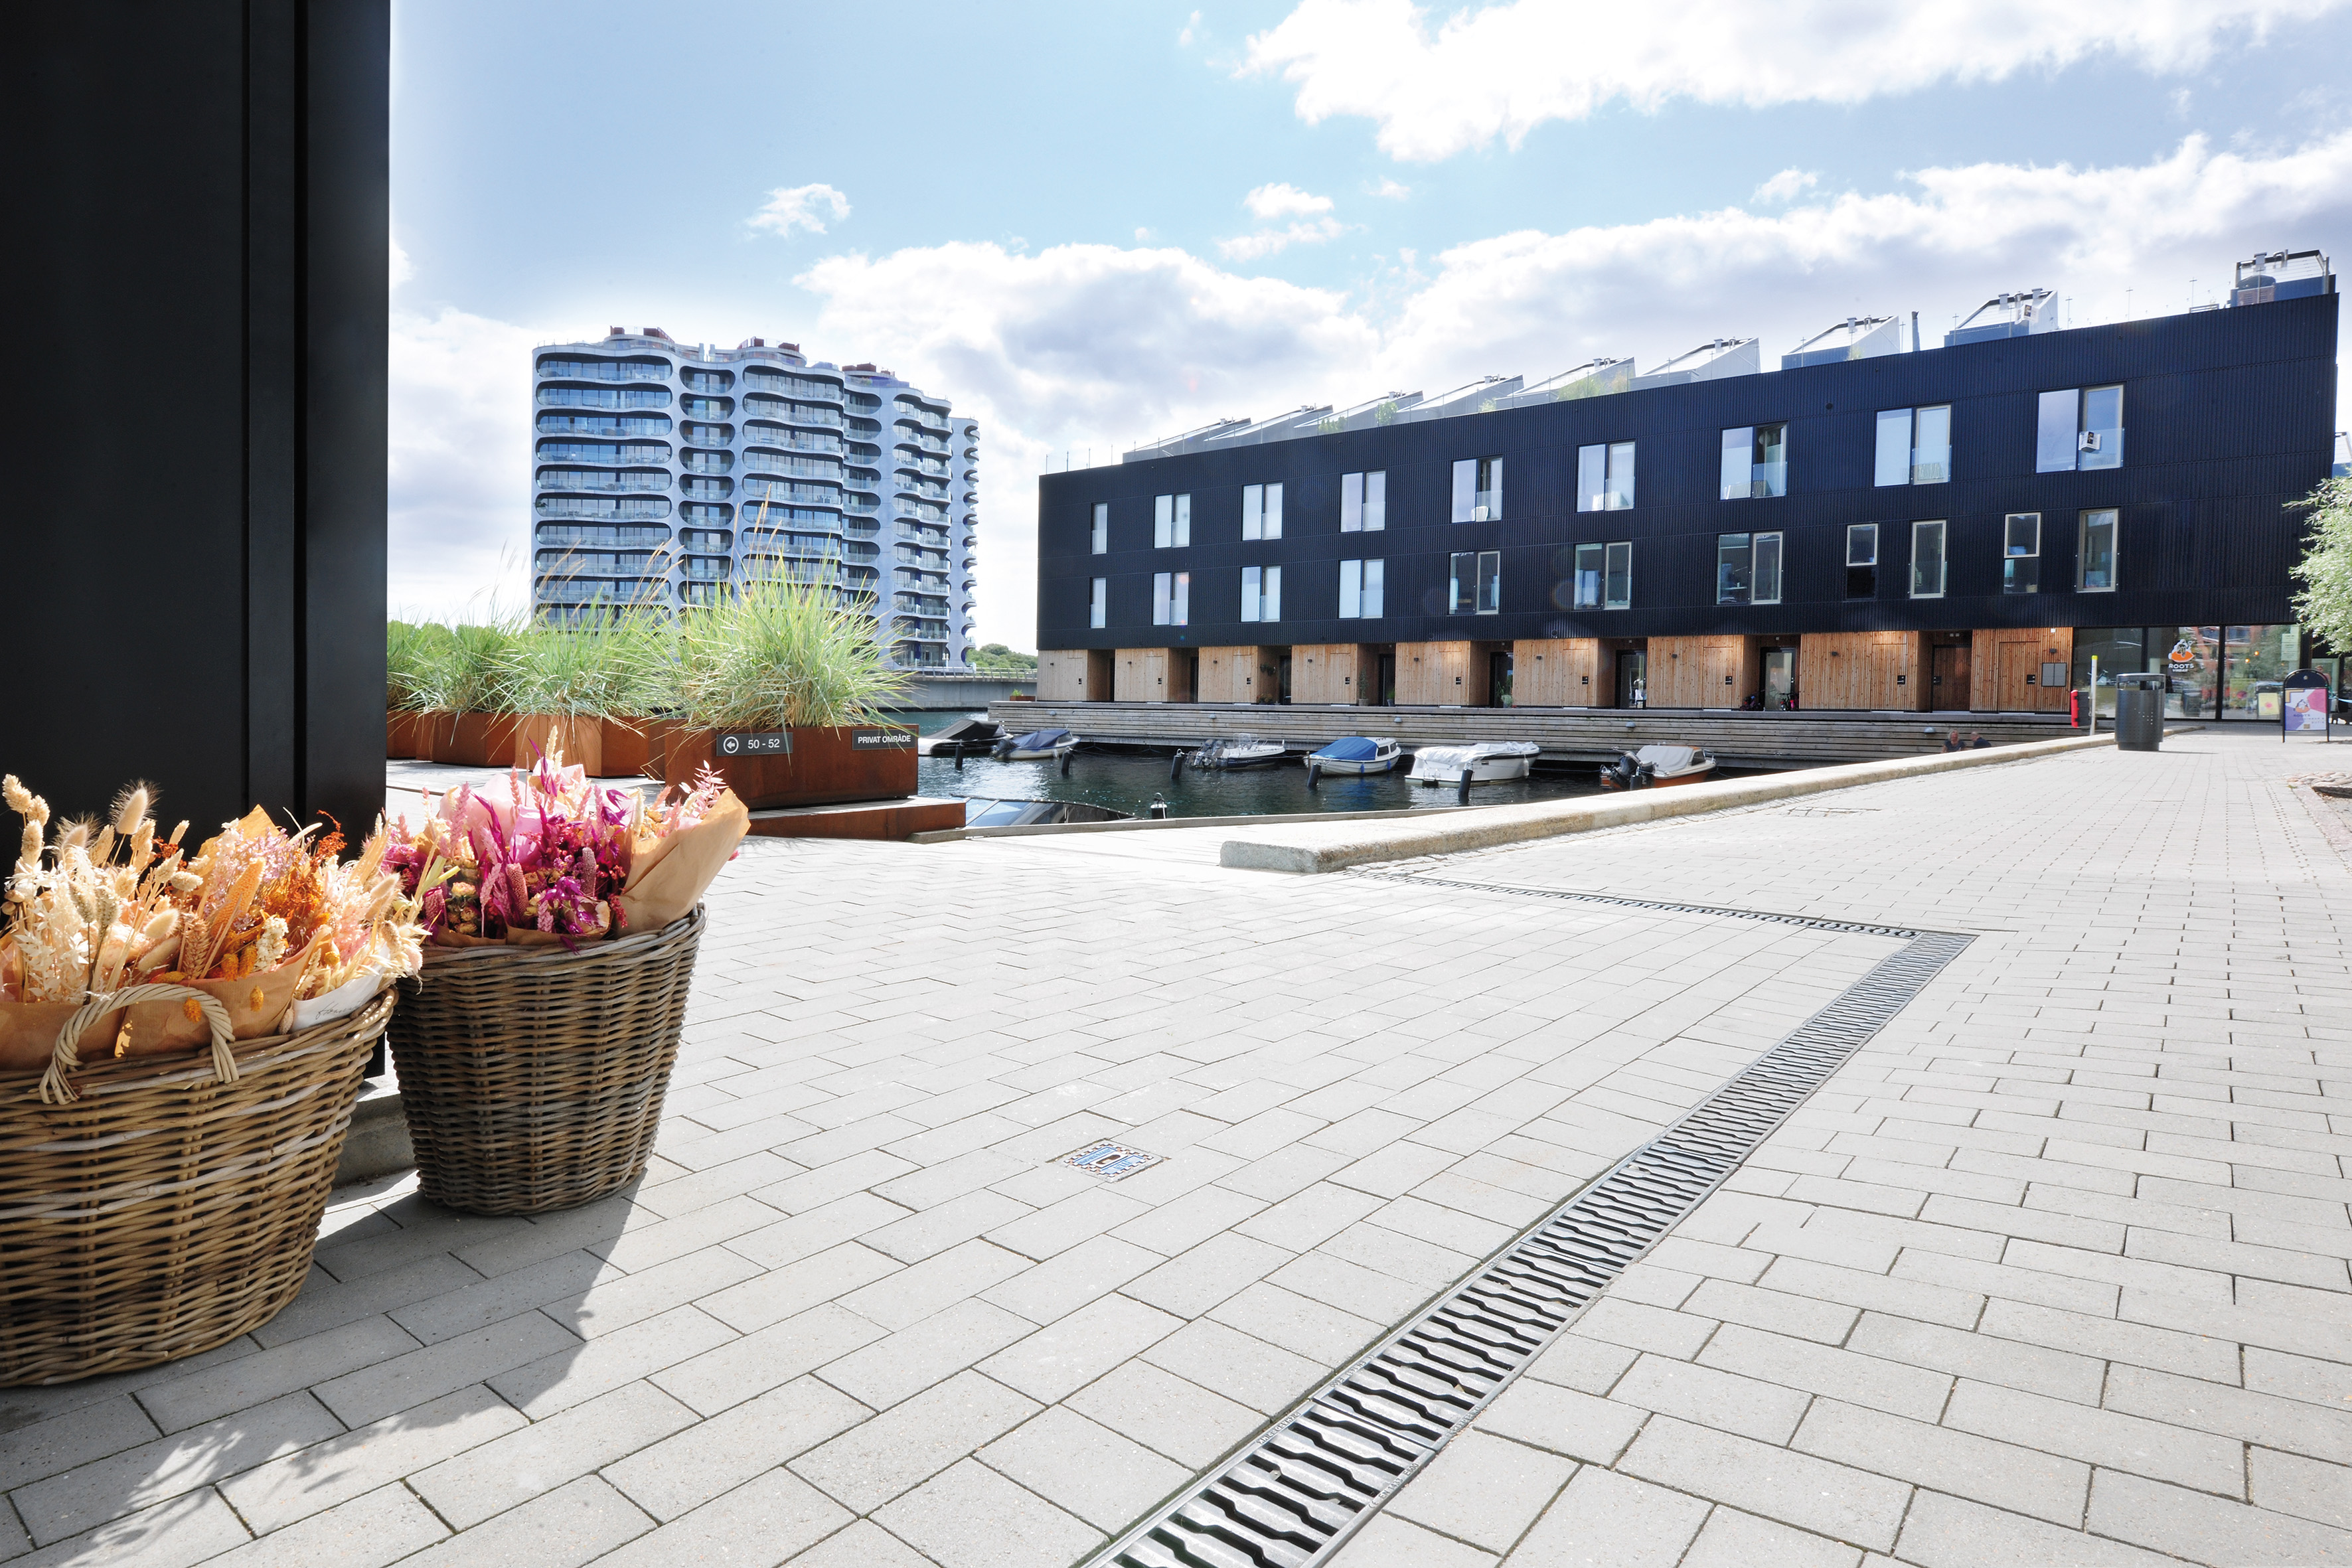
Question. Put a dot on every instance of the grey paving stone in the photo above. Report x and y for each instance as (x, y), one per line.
(88, 1496)
(1072, 1350)
(46, 1447)
(1735, 1539)
(612, 1303)
(890, 1369)
(1608, 1520)
(1827, 1321)
(682, 1473)
(735, 1370)
(193, 1528)
(1563, 1420)
(1942, 1349)
(2104, 1437)
(872, 1463)
(1191, 1283)
(411, 1379)
(1644, 1328)
(577, 1522)
(566, 1378)
(1951, 1533)
(1949, 1460)
(2308, 1488)
(815, 1230)
(340, 1468)
(1190, 1423)
(757, 1525)
(1484, 1490)
(972, 1517)
(1390, 1541)
(1085, 1468)
(1320, 1333)
(931, 1231)
(1187, 1221)
(1086, 1272)
(1795, 1488)
(1249, 1370)
(1875, 1292)
(282, 1369)
(2207, 1529)
(326, 1304)
(784, 1293)
(372, 1529)
(1767, 1412)
(909, 1296)
(864, 1544)
(480, 1303)
(548, 1454)
(2136, 1343)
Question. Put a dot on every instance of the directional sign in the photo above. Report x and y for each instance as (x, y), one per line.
(755, 744)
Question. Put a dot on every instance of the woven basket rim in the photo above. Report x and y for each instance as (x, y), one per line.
(257, 1052)
(508, 952)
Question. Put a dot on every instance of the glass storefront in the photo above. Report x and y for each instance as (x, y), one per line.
(2120, 650)
(2258, 659)
(2190, 658)
(2209, 672)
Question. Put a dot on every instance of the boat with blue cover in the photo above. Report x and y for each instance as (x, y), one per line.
(1354, 755)
(1035, 746)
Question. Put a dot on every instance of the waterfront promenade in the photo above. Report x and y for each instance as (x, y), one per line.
(2053, 1271)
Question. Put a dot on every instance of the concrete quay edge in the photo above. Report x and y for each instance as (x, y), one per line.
(1501, 824)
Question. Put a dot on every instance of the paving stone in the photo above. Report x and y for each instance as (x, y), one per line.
(2104, 1437)
(1309, 1217)
(736, 1369)
(325, 1303)
(1607, 1520)
(1320, 1333)
(1391, 1542)
(929, 1232)
(2136, 1343)
(412, 1378)
(1951, 1533)
(570, 1376)
(548, 1454)
(909, 1296)
(864, 1544)
(282, 1369)
(1182, 1420)
(372, 1529)
(1191, 1283)
(1828, 1321)
(972, 1517)
(1644, 1328)
(818, 1229)
(1795, 1488)
(2207, 1529)
(680, 1473)
(1484, 1489)
(1563, 1420)
(794, 1289)
(193, 1528)
(1185, 1222)
(1073, 1350)
(366, 1457)
(46, 1447)
(1949, 1460)
(758, 1524)
(1249, 1370)
(1088, 1470)
(872, 1463)
(576, 1523)
(2308, 1488)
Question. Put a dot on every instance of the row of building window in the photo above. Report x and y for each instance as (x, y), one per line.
(1748, 571)
(2079, 428)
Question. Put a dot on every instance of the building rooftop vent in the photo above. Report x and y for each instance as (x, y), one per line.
(2011, 316)
(1593, 378)
(1708, 362)
(2281, 275)
(1856, 337)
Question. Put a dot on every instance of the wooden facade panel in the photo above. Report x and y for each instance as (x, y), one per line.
(1558, 672)
(1075, 675)
(2006, 668)
(1153, 675)
(1327, 672)
(1869, 670)
(1240, 674)
(1704, 671)
(1440, 674)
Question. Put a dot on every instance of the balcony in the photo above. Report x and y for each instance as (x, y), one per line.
(590, 424)
(790, 441)
(708, 489)
(707, 569)
(593, 398)
(1931, 465)
(859, 528)
(623, 534)
(564, 506)
(599, 370)
(708, 463)
(585, 480)
(758, 408)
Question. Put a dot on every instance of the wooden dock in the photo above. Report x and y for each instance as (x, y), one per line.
(1566, 734)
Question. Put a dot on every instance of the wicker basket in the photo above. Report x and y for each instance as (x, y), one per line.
(170, 1204)
(532, 1076)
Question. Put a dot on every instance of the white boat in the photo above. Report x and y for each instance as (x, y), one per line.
(1655, 765)
(1238, 751)
(1488, 762)
(1354, 755)
(1035, 746)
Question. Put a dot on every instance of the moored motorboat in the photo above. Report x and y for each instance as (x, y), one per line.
(1354, 755)
(1037, 745)
(974, 735)
(1487, 761)
(1653, 767)
(1238, 751)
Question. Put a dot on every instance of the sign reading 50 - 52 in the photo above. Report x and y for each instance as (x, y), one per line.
(755, 744)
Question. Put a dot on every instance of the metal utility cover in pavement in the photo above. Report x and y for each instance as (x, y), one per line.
(1112, 1162)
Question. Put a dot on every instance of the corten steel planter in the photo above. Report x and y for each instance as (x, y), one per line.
(478, 740)
(582, 740)
(402, 735)
(857, 761)
(628, 747)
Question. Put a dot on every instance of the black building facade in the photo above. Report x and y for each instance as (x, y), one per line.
(2191, 433)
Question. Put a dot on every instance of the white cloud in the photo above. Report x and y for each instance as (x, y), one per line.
(1271, 202)
(1102, 346)
(1184, 38)
(1503, 69)
(1392, 190)
(402, 269)
(1266, 242)
(800, 206)
(1786, 187)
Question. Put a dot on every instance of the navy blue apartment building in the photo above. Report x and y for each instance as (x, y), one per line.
(1871, 526)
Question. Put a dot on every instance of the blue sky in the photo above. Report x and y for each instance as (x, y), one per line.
(1093, 225)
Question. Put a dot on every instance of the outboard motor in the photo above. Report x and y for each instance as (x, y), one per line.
(1620, 773)
(1645, 775)
(1002, 749)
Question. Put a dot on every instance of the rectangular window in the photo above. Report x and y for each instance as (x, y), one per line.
(1755, 462)
(2079, 427)
(1478, 490)
(1099, 616)
(1586, 584)
(2101, 443)
(1261, 592)
(1261, 512)
(1604, 476)
(2021, 552)
(1862, 560)
(1893, 466)
(1735, 561)
(1363, 502)
(2095, 555)
(1477, 582)
(2056, 425)
(1171, 521)
(1359, 589)
(1172, 594)
(1927, 560)
(1100, 543)
(1931, 445)
(1768, 569)
(1617, 577)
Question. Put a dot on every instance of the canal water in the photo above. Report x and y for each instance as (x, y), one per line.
(1128, 783)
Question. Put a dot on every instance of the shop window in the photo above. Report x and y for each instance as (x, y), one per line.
(1604, 476)
(1755, 462)
(1099, 616)
(1478, 490)
(1261, 592)
(1171, 521)
(1862, 560)
(2256, 661)
(1261, 512)
(1359, 589)
(1477, 582)
(1364, 502)
(1927, 560)
(1172, 595)
(2094, 553)
(1099, 542)
(2021, 552)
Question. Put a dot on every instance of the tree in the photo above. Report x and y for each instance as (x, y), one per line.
(996, 656)
(2324, 605)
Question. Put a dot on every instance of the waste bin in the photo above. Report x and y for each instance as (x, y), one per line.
(2139, 713)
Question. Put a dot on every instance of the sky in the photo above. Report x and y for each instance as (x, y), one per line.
(1093, 225)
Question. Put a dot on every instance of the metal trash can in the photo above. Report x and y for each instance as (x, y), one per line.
(2139, 713)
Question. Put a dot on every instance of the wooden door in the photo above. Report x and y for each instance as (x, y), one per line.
(1723, 666)
(1950, 690)
(2016, 672)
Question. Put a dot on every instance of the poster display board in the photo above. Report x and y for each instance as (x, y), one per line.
(2303, 704)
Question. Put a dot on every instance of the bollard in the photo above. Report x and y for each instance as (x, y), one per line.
(1462, 790)
(1314, 774)
(1065, 761)
(1158, 807)
(1175, 767)
(959, 755)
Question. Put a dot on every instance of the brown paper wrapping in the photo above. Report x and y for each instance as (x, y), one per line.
(668, 880)
(28, 1035)
(256, 1005)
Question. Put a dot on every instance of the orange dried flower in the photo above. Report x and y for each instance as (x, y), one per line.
(193, 1010)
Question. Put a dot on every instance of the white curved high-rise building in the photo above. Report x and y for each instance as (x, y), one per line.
(667, 472)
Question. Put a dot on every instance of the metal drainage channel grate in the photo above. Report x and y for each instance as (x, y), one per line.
(1292, 1498)
(1810, 922)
